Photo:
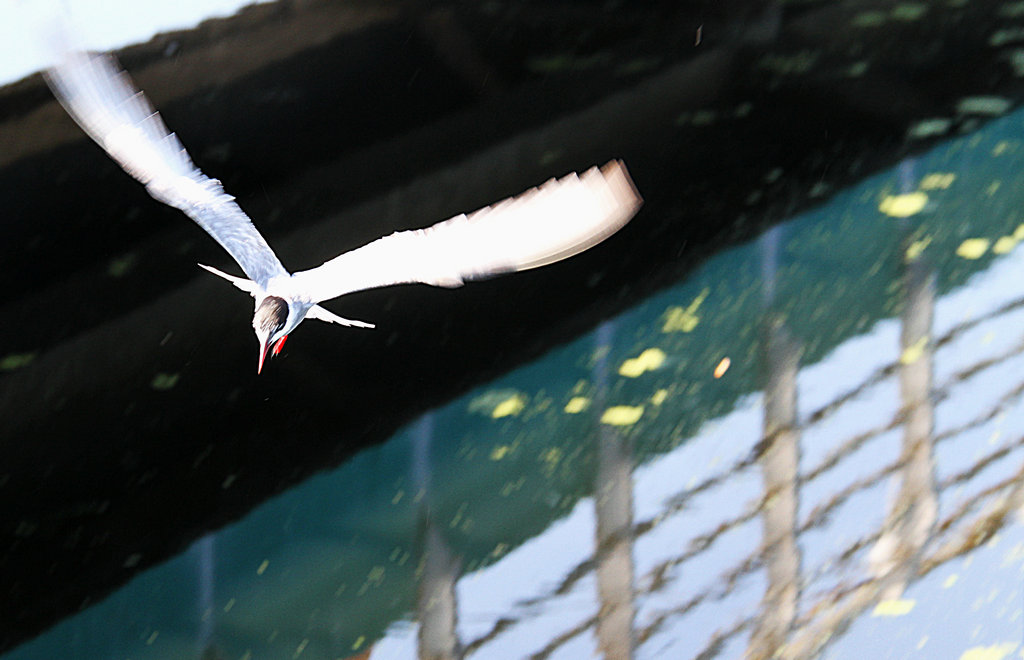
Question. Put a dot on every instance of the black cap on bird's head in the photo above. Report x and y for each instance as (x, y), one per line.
(269, 322)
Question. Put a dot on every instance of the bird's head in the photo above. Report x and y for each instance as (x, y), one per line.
(271, 325)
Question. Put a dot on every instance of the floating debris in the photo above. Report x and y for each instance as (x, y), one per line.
(622, 415)
(551, 457)
(927, 128)
(684, 319)
(857, 69)
(703, 118)
(994, 652)
(1006, 36)
(659, 397)
(722, 367)
(16, 361)
(500, 452)
(120, 266)
(913, 353)
(903, 206)
(894, 607)
(909, 11)
(1016, 57)
(486, 403)
(915, 249)
(577, 404)
(789, 63)
(937, 180)
(973, 248)
(163, 382)
(983, 105)
(509, 407)
(649, 360)
(870, 18)
(1001, 148)
(1012, 10)
(1004, 244)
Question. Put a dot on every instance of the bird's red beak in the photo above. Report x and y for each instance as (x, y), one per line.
(265, 348)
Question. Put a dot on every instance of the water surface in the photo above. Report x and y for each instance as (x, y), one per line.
(812, 444)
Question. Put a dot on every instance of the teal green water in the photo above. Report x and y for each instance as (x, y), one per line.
(510, 478)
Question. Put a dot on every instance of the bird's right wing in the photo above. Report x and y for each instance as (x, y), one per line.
(540, 226)
(104, 102)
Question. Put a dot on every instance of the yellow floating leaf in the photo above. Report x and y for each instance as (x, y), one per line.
(994, 652)
(894, 607)
(950, 581)
(500, 452)
(938, 180)
(577, 404)
(622, 415)
(684, 319)
(1018, 233)
(510, 406)
(649, 360)
(903, 206)
(915, 249)
(659, 397)
(1004, 244)
(913, 353)
(722, 367)
(551, 457)
(678, 319)
(973, 248)
(631, 368)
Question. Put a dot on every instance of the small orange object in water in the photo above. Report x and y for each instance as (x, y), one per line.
(722, 367)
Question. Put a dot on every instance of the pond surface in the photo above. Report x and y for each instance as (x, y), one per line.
(811, 445)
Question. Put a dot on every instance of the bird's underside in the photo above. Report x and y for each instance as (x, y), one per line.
(553, 221)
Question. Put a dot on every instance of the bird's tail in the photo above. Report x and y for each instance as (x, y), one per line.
(245, 285)
(321, 314)
(315, 312)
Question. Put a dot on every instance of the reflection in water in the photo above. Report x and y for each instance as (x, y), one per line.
(912, 513)
(207, 614)
(852, 478)
(436, 602)
(613, 508)
(779, 458)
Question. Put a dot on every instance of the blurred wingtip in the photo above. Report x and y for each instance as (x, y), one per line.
(621, 184)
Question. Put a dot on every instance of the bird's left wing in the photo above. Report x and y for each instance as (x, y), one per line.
(104, 102)
(543, 225)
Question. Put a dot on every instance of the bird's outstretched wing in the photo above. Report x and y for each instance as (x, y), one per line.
(104, 102)
(540, 226)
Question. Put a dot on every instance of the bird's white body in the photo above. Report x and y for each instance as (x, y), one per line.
(556, 220)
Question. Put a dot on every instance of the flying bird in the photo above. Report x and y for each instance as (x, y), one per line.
(553, 221)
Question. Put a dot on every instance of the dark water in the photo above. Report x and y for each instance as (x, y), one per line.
(850, 485)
